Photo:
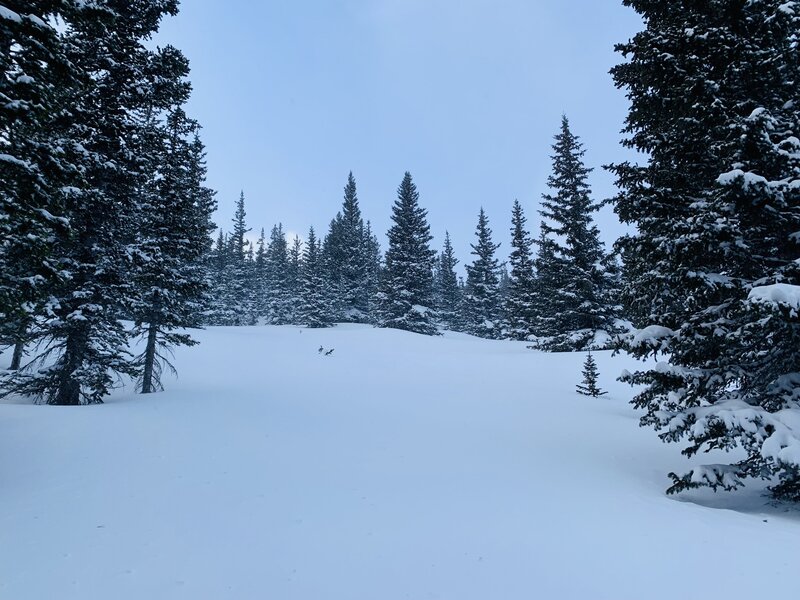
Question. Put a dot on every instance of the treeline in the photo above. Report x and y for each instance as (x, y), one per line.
(559, 291)
(104, 215)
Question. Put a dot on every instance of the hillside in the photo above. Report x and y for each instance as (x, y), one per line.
(400, 466)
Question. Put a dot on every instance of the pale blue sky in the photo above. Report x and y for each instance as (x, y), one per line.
(465, 94)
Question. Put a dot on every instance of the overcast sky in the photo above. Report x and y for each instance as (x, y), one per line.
(465, 94)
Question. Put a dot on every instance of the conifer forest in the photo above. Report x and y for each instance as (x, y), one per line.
(585, 396)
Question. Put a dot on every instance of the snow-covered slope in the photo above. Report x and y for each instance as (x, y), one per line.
(400, 466)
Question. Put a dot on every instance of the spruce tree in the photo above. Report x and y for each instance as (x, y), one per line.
(406, 297)
(278, 293)
(550, 271)
(171, 278)
(588, 387)
(240, 228)
(447, 290)
(581, 308)
(220, 308)
(259, 286)
(332, 258)
(349, 260)
(372, 275)
(520, 303)
(503, 285)
(84, 344)
(713, 91)
(481, 305)
(313, 310)
(37, 89)
(295, 272)
(238, 278)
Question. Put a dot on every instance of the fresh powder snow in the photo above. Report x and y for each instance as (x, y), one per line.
(400, 466)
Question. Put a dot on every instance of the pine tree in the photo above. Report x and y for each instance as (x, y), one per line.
(520, 303)
(237, 281)
(481, 305)
(295, 272)
(372, 275)
(582, 309)
(503, 285)
(84, 344)
(713, 91)
(447, 290)
(406, 296)
(171, 278)
(240, 229)
(278, 294)
(220, 307)
(348, 259)
(36, 176)
(332, 258)
(588, 387)
(313, 310)
(550, 272)
(259, 287)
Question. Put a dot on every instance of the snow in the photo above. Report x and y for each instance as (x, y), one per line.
(655, 337)
(748, 178)
(10, 15)
(15, 161)
(422, 310)
(401, 466)
(779, 293)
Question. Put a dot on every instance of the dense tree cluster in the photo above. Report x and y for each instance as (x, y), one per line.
(103, 211)
(410, 287)
(106, 219)
(106, 253)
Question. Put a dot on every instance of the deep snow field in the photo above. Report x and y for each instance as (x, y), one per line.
(401, 466)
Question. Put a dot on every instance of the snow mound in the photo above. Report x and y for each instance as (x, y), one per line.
(783, 294)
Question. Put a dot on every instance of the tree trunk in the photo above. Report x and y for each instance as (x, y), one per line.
(148, 385)
(68, 389)
(16, 358)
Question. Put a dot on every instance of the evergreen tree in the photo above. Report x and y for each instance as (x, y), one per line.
(237, 281)
(203, 208)
(84, 344)
(406, 296)
(313, 309)
(219, 309)
(550, 276)
(588, 387)
(580, 301)
(372, 275)
(171, 278)
(481, 306)
(251, 281)
(332, 258)
(36, 91)
(447, 290)
(238, 238)
(295, 277)
(278, 294)
(520, 303)
(503, 285)
(259, 287)
(713, 91)
(349, 260)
